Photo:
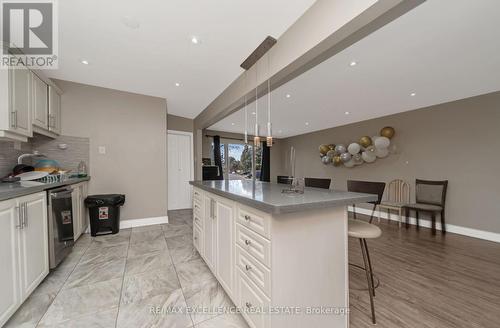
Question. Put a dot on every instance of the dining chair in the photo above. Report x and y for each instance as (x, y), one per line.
(430, 198)
(398, 195)
(317, 183)
(367, 187)
(283, 179)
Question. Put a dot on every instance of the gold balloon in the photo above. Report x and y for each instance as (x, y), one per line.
(337, 161)
(365, 141)
(387, 132)
(323, 149)
(331, 146)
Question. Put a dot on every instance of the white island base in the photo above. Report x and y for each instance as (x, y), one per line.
(294, 265)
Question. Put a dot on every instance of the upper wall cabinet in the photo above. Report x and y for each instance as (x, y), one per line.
(54, 111)
(28, 104)
(40, 105)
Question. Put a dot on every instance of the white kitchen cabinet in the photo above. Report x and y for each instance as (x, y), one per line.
(39, 106)
(80, 217)
(224, 243)
(10, 298)
(209, 232)
(54, 111)
(23, 250)
(34, 242)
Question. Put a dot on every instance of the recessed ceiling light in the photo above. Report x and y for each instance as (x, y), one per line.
(347, 113)
(307, 123)
(194, 40)
(288, 95)
(131, 22)
(232, 123)
(353, 63)
(84, 62)
(280, 131)
(253, 113)
(177, 84)
(413, 94)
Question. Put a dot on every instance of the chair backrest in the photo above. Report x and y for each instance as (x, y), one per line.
(367, 187)
(399, 191)
(284, 179)
(431, 192)
(317, 183)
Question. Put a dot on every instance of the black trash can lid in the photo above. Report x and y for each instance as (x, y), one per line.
(109, 200)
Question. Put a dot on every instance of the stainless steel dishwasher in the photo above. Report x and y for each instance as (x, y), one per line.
(60, 215)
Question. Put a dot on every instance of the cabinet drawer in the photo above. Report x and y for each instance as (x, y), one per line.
(253, 303)
(254, 270)
(197, 209)
(254, 244)
(197, 196)
(259, 223)
(198, 222)
(197, 239)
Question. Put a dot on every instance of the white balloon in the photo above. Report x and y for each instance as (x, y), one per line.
(368, 157)
(354, 148)
(349, 163)
(382, 142)
(381, 152)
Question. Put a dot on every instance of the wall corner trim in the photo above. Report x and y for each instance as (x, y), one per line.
(465, 231)
(125, 224)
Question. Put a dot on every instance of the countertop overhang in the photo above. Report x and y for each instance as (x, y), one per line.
(23, 188)
(268, 197)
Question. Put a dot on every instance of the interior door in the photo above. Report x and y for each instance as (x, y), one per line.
(180, 170)
(9, 268)
(225, 249)
(34, 242)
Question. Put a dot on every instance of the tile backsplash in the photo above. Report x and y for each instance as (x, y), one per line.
(77, 149)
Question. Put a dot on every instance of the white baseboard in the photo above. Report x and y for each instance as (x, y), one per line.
(125, 224)
(470, 232)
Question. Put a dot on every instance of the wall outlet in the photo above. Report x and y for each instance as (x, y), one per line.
(102, 150)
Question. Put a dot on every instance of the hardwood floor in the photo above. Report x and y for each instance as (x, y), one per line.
(427, 281)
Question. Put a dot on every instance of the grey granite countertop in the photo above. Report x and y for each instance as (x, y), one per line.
(268, 197)
(22, 188)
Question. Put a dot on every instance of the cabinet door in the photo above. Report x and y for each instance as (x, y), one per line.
(54, 111)
(209, 232)
(40, 109)
(34, 242)
(20, 100)
(84, 218)
(225, 245)
(77, 224)
(10, 297)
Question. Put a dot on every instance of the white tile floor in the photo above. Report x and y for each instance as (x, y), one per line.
(132, 279)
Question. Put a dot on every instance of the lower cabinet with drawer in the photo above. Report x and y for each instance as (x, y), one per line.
(269, 265)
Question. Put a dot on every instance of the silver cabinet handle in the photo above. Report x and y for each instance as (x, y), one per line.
(14, 118)
(25, 216)
(247, 242)
(19, 217)
(247, 217)
(248, 267)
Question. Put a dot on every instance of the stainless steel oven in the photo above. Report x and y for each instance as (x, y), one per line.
(60, 214)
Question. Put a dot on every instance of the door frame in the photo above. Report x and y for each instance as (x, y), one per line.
(191, 153)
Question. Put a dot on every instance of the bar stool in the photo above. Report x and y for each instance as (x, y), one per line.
(363, 231)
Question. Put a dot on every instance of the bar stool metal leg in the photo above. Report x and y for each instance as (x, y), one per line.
(369, 265)
(369, 278)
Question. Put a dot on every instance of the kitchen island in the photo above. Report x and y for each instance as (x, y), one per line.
(281, 258)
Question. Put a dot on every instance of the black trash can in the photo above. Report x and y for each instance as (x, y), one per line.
(104, 212)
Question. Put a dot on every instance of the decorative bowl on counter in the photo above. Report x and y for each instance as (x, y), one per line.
(47, 165)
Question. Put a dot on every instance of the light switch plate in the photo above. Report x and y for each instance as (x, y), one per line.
(102, 150)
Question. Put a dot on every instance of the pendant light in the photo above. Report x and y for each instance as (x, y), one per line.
(269, 139)
(256, 138)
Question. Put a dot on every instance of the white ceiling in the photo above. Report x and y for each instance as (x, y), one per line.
(150, 59)
(443, 50)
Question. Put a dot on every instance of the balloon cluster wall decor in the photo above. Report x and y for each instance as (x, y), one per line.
(366, 150)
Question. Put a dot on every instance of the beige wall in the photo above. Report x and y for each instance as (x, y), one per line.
(275, 149)
(133, 129)
(458, 141)
(178, 123)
